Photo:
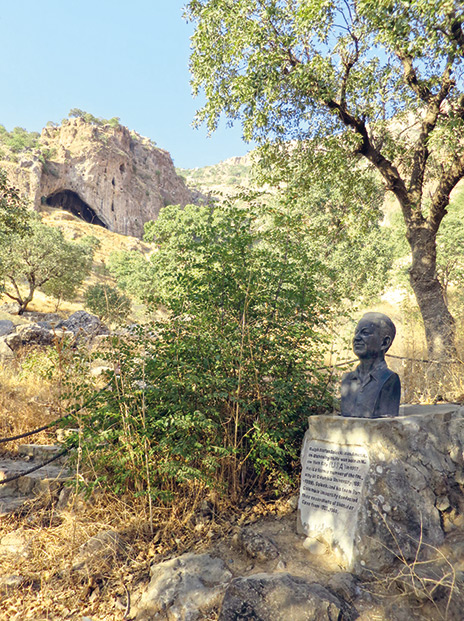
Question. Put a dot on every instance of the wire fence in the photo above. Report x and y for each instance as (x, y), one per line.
(421, 360)
(24, 473)
(89, 401)
(57, 421)
(62, 453)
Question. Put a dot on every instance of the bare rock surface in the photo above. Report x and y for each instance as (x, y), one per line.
(256, 545)
(259, 589)
(6, 327)
(6, 353)
(185, 588)
(105, 174)
(281, 597)
(41, 483)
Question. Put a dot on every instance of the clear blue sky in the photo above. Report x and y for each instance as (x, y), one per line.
(109, 58)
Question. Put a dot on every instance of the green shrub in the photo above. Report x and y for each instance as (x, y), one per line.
(219, 392)
(107, 302)
(19, 139)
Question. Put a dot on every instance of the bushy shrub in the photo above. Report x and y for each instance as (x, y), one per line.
(19, 139)
(107, 302)
(219, 391)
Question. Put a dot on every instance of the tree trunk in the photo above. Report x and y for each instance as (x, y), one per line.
(438, 322)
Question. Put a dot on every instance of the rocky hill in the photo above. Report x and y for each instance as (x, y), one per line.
(227, 178)
(103, 173)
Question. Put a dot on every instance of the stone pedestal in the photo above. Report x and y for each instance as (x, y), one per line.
(373, 490)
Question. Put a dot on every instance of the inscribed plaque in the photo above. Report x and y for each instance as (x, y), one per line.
(332, 479)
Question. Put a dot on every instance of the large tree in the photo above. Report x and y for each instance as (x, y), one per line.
(379, 81)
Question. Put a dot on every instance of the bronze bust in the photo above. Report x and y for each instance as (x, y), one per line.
(372, 390)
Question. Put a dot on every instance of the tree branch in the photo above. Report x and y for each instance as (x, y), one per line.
(389, 172)
(440, 198)
(421, 152)
(457, 34)
(410, 77)
(18, 299)
(348, 64)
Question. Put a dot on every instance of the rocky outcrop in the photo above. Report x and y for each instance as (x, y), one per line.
(79, 327)
(27, 335)
(83, 324)
(105, 174)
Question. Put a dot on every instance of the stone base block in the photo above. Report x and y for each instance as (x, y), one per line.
(374, 490)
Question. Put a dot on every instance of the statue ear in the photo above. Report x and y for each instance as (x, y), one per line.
(386, 342)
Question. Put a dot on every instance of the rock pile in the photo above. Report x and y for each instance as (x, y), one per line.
(79, 326)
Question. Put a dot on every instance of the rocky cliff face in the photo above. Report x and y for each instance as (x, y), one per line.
(105, 174)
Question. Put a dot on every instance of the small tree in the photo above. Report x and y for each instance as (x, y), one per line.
(76, 266)
(42, 259)
(107, 302)
(133, 273)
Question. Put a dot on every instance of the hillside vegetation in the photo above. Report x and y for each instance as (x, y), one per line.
(238, 312)
(226, 178)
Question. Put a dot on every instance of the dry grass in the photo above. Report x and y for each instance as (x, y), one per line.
(51, 589)
(424, 380)
(427, 579)
(27, 401)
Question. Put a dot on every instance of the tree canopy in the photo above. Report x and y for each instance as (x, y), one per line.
(41, 259)
(344, 81)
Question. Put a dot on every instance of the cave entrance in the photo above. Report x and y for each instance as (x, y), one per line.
(70, 201)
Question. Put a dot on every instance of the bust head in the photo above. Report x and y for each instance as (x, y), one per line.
(373, 336)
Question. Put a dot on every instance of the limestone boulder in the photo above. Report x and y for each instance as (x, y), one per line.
(281, 597)
(185, 588)
(83, 324)
(27, 335)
